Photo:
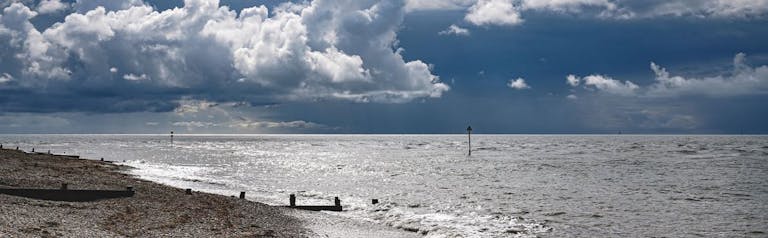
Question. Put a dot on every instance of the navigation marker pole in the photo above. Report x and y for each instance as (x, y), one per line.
(469, 140)
(171, 137)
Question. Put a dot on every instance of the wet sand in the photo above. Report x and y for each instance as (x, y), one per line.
(155, 210)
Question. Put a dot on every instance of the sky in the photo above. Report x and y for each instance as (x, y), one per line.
(384, 66)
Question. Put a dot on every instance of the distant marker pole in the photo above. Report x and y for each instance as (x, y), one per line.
(171, 137)
(469, 140)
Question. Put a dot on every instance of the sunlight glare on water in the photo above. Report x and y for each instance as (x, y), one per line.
(511, 186)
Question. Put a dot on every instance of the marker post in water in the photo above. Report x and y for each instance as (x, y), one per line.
(171, 137)
(469, 140)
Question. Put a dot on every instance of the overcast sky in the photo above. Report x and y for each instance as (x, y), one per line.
(389, 66)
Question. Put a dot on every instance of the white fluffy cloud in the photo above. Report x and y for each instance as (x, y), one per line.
(455, 30)
(493, 12)
(572, 80)
(742, 80)
(326, 49)
(604, 84)
(51, 6)
(518, 84)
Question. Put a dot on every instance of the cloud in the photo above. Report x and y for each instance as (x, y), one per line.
(572, 80)
(248, 124)
(83, 6)
(51, 6)
(567, 5)
(133, 77)
(272, 125)
(193, 106)
(193, 124)
(454, 30)
(5, 78)
(742, 80)
(510, 12)
(432, 5)
(207, 116)
(493, 12)
(604, 83)
(323, 50)
(518, 84)
(703, 8)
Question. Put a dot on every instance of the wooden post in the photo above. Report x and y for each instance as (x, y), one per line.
(64, 186)
(242, 195)
(469, 140)
(102, 159)
(374, 201)
(33, 149)
(49, 152)
(171, 137)
(292, 200)
(189, 191)
(336, 202)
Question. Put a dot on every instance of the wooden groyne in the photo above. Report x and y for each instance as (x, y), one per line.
(33, 152)
(335, 208)
(64, 194)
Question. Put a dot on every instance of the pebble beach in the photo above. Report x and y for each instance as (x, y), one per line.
(155, 210)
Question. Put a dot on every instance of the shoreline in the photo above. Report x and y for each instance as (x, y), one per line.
(155, 209)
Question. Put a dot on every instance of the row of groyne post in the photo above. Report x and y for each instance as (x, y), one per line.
(336, 207)
(33, 151)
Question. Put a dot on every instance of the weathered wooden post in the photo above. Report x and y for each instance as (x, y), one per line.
(336, 201)
(292, 200)
(374, 201)
(1, 146)
(469, 140)
(102, 159)
(242, 195)
(64, 186)
(33, 149)
(189, 191)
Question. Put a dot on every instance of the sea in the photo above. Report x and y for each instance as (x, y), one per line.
(510, 185)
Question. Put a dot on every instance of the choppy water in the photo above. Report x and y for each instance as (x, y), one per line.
(511, 186)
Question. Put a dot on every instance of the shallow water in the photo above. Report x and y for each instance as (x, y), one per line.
(511, 186)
